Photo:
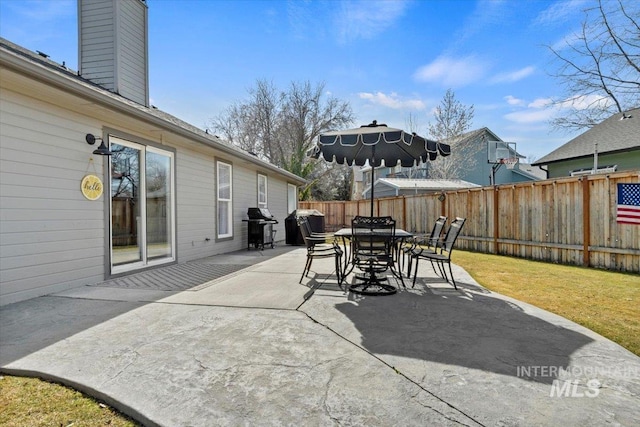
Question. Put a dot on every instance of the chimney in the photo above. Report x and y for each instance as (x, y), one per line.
(113, 46)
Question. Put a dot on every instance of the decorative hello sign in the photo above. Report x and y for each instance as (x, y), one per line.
(91, 187)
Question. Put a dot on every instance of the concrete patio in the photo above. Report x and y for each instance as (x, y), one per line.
(236, 340)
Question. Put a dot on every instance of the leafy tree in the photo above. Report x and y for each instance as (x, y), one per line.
(452, 119)
(282, 126)
(600, 67)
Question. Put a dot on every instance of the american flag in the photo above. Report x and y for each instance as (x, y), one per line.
(628, 211)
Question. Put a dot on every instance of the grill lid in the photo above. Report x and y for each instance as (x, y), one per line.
(259, 213)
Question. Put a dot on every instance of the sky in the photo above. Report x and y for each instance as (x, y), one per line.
(390, 60)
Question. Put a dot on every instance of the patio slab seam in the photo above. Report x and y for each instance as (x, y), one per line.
(396, 370)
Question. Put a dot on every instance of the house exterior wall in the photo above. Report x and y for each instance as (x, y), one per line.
(476, 170)
(96, 47)
(629, 160)
(112, 46)
(480, 173)
(51, 237)
(382, 190)
(132, 51)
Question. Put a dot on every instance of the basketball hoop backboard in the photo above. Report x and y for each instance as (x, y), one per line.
(499, 151)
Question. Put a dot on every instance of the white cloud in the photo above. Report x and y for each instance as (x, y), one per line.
(569, 40)
(392, 101)
(585, 102)
(530, 116)
(452, 72)
(513, 76)
(560, 11)
(367, 19)
(512, 100)
(539, 110)
(540, 103)
(544, 109)
(485, 16)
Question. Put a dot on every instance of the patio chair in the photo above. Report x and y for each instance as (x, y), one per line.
(317, 247)
(312, 233)
(373, 250)
(442, 253)
(419, 244)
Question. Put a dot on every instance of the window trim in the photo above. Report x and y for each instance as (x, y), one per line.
(219, 164)
(295, 197)
(266, 190)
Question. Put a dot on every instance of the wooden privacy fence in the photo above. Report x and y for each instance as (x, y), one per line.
(567, 220)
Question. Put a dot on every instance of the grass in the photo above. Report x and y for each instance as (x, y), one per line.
(34, 402)
(604, 301)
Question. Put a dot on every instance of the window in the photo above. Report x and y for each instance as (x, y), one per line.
(225, 199)
(292, 198)
(262, 191)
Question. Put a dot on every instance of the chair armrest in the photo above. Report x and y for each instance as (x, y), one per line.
(316, 238)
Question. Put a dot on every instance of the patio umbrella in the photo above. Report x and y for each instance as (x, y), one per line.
(375, 143)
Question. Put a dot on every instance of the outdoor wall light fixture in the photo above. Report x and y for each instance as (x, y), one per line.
(102, 150)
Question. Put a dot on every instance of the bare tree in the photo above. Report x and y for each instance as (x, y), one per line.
(252, 124)
(600, 68)
(452, 119)
(281, 127)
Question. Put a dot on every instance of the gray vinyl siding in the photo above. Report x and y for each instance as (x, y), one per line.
(112, 45)
(625, 161)
(277, 204)
(383, 191)
(51, 237)
(245, 195)
(97, 42)
(196, 211)
(132, 69)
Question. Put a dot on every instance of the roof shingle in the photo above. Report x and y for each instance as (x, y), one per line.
(620, 132)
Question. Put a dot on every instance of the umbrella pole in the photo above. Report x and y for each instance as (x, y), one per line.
(373, 175)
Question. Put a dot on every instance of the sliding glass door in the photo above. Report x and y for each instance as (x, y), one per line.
(142, 206)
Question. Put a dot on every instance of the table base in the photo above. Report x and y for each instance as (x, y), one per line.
(372, 285)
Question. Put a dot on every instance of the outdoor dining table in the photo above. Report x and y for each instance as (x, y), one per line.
(346, 234)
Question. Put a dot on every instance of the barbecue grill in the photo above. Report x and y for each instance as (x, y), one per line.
(260, 228)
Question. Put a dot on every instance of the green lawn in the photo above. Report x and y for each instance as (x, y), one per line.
(604, 301)
(34, 402)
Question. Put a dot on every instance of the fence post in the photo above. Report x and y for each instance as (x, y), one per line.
(404, 212)
(586, 222)
(496, 216)
(344, 214)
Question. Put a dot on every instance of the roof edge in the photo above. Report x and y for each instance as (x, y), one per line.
(64, 80)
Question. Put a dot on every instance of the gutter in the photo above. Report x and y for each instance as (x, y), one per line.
(86, 89)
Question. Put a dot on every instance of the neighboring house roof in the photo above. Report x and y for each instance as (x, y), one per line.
(618, 133)
(423, 184)
(531, 171)
(41, 68)
(463, 138)
(471, 135)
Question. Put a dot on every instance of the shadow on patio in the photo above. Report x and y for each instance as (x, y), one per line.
(469, 327)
